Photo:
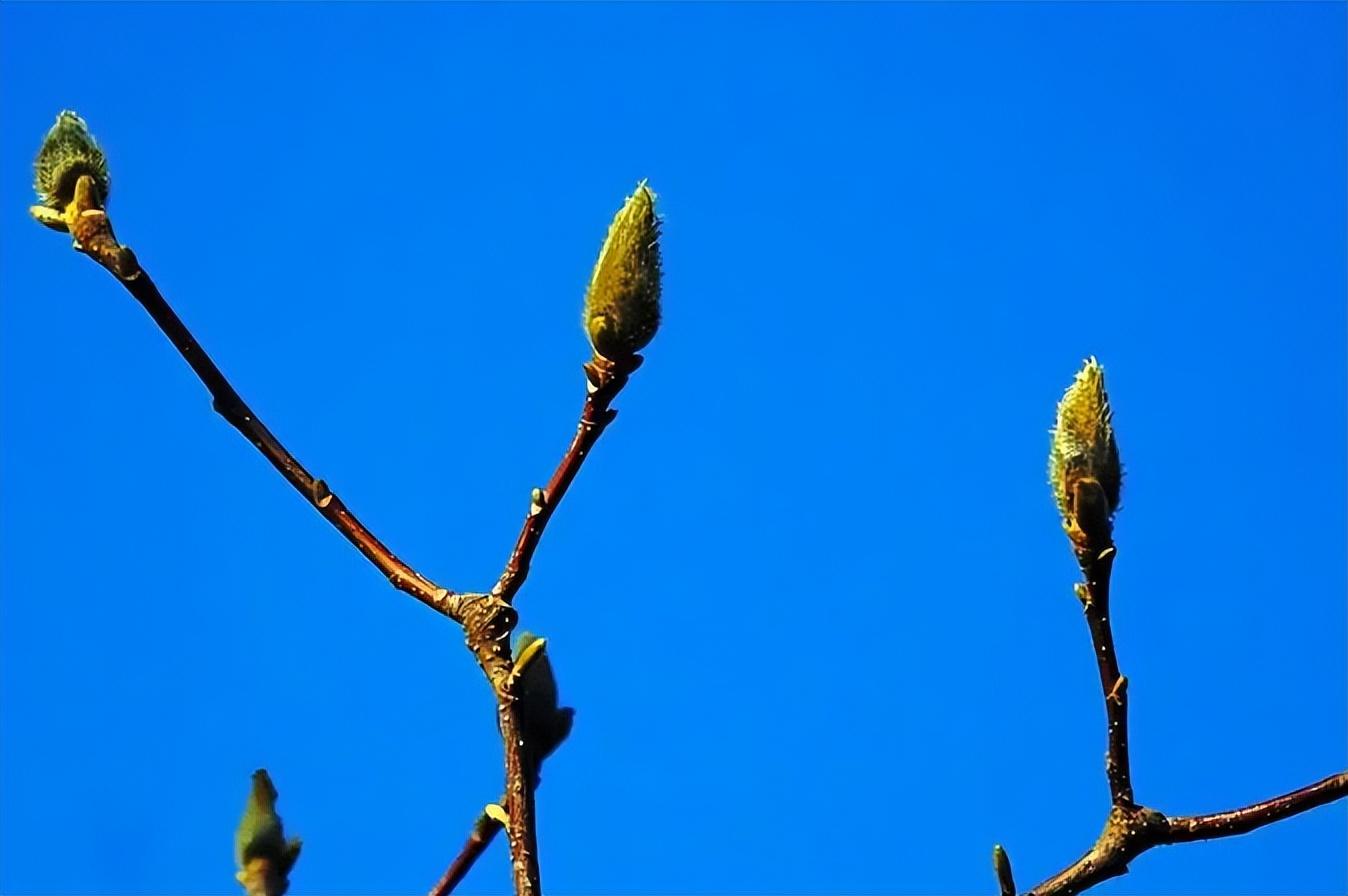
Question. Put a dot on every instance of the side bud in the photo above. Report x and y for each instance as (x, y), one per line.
(69, 152)
(622, 304)
(1083, 461)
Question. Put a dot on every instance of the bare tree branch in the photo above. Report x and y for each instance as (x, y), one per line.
(487, 619)
(1085, 472)
(1094, 593)
(94, 237)
(1190, 828)
(483, 833)
(1131, 832)
(605, 379)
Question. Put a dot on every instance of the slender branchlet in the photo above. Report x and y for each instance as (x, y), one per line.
(261, 850)
(622, 304)
(1083, 462)
(622, 314)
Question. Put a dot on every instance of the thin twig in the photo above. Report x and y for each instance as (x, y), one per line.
(1131, 829)
(231, 406)
(605, 380)
(1131, 832)
(487, 619)
(523, 827)
(1114, 685)
(483, 833)
(1188, 828)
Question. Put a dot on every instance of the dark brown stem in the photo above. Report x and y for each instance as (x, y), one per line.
(484, 832)
(1131, 831)
(487, 619)
(1095, 599)
(1188, 828)
(523, 828)
(605, 380)
(232, 407)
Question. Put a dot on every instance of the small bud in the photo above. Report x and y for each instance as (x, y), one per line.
(543, 724)
(261, 850)
(1083, 461)
(622, 304)
(68, 152)
(1001, 864)
(497, 813)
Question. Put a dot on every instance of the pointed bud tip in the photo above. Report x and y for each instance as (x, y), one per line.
(622, 303)
(1083, 446)
(69, 152)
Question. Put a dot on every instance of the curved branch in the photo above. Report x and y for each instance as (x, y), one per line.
(99, 244)
(1190, 828)
(605, 379)
(1129, 832)
(1094, 594)
(483, 833)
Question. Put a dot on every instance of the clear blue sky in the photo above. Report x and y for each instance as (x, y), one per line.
(810, 595)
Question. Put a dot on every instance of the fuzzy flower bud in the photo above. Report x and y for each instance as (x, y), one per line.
(261, 850)
(68, 152)
(1083, 461)
(622, 305)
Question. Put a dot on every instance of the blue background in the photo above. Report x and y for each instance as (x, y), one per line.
(810, 595)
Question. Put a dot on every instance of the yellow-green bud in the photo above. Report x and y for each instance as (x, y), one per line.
(622, 305)
(260, 837)
(543, 723)
(1083, 461)
(68, 152)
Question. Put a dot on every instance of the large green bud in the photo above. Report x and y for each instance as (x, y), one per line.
(1083, 461)
(622, 305)
(68, 152)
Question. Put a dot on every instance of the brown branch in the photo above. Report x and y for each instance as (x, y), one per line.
(96, 240)
(1189, 828)
(1094, 594)
(1131, 829)
(1129, 832)
(605, 379)
(483, 833)
(487, 619)
(523, 827)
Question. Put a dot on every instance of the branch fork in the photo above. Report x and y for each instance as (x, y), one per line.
(1085, 473)
(488, 620)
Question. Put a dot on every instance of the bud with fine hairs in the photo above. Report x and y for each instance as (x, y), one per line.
(1083, 462)
(263, 853)
(622, 305)
(68, 152)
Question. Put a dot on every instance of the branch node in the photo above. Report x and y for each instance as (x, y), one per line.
(320, 494)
